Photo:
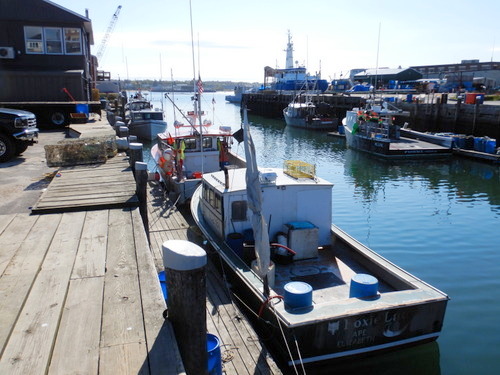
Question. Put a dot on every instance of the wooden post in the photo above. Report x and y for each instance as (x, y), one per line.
(135, 153)
(122, 131)
(141, 182)
(457, 112)
(185, 273)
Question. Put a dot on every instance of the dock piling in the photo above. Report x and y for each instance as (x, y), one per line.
(185, 273)
(135, 154)
(141, 180)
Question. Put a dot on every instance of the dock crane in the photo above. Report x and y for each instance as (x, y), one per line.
(104, 42)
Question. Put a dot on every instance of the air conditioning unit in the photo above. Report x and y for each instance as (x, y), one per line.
(7, 53)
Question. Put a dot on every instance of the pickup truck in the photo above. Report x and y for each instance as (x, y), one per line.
(17, 131)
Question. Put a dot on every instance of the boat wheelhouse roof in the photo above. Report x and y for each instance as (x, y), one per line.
(237, 181)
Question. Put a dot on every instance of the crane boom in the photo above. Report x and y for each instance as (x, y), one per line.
(104, 42)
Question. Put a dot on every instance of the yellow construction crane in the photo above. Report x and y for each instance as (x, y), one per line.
(104, 42)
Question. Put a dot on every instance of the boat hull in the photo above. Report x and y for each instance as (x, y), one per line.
(402, 148)
(312, 124)
(147, 130)
(329, 332)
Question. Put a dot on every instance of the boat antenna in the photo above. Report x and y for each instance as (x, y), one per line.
(376, 65)
(173, 95)
(197, 85)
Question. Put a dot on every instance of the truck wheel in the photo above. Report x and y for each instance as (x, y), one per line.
(58, 118)
(7, 148)
(21, 147)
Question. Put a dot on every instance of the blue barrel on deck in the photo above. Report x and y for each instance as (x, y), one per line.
(363, 285)
(409, 98)
(341, 129)
(298, 294)
(214, 363)
(235, 241)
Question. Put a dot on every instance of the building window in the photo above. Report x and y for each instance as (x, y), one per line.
(49, 40)
(33, 36)
(53, 40)
(73, 41)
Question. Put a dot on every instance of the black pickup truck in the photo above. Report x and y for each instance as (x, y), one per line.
(17, 131)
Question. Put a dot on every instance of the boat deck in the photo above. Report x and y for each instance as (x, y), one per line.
(414, 144)
(327, 274)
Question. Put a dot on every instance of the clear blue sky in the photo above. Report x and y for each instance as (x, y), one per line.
(237, 39)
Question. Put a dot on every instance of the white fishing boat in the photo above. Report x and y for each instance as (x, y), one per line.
(143, 120)
(319, 294)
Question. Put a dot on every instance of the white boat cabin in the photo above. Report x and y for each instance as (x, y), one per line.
(285, 199)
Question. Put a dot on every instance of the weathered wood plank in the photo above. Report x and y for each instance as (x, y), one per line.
(5, 221)
(164, 356)
(76, 349)
(16, 281)
(122, 322)
(124, 359)
(91, 257)
(29, 347)
(13, 235)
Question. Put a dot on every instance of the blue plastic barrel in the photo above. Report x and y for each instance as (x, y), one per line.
(298, 294)
(214, 363)
(235, 241)
(409, 98)
(363, 285)
(490, 146)
(341, 129)
(479, 144)
(163, 283)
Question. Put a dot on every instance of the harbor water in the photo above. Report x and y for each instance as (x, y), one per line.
(438, 220)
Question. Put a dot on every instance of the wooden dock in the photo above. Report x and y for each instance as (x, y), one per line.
(95, 186)
(79, 288)
(242, 351)
(79, 285)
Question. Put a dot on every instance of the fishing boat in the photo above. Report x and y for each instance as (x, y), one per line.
(317, 293)
(143, 120)
(374, 131)
(308, 115)
(197, 147)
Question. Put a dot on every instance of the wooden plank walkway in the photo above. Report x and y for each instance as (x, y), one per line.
(242, 350)
(79, 289)
(97, 186)
(80, 295)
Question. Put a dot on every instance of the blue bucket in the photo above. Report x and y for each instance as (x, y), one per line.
(235, 241)
(341, 129)
(163, 283)
(214, 363)
(298, 294)
(363, 285)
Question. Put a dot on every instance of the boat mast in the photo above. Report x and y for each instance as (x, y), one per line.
(197, 88)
